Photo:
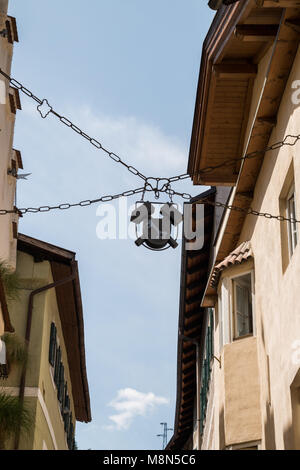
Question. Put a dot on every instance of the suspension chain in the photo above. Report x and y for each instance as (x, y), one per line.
(42, 103)
(66, 206)
(157, 185)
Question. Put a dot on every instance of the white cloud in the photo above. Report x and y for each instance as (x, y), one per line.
(139, 143)
(130, 403)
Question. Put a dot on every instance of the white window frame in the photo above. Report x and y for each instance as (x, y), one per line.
(226, 309)
(245, 446)
(233, 320)
(290, 233)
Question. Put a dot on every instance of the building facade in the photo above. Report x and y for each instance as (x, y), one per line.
(10, 158)
(47, 317)
(248, 386)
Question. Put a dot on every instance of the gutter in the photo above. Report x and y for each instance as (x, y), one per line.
(28, 333)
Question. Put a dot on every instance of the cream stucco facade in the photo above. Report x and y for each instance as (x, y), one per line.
(255, 394)
(9, 157)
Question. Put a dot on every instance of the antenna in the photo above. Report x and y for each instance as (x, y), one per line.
(164, 435)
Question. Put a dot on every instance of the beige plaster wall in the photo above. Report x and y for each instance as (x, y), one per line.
(277, 279)
(242, 417)
(277, 311)
(7, 183)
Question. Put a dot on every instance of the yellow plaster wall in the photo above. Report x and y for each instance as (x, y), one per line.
(39, 382)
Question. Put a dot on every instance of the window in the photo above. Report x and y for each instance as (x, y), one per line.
(242, 306)
(206, 368)
(236, 308)
(292, 226)
(256, 445)
(58, 371)
(288, 209)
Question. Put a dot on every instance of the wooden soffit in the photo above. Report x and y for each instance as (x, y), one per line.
(237, 39)
(281, 62)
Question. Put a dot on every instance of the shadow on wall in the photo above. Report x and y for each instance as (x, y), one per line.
(279, 133)
(222, 429)
(288, 438)
(291, 435)
(270, 440)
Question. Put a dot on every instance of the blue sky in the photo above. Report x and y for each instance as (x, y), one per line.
(126, 72)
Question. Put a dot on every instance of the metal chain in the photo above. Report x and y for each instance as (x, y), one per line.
(116, 158)
(158, 185)
(144, 189)
(250, 211)
(289, 140)
(66, 206)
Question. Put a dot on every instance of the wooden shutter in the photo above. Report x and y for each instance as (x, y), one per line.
(52, 345)
(61, 383)
(70, 433)
(57, 367)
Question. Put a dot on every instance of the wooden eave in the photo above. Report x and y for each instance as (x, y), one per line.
(238, 37)
(69, 302)
(285, 50)
(191, 324)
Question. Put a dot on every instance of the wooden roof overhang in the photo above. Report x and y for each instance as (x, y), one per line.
(284, 51)
(238, 37)
(194, 271)
(69, 302)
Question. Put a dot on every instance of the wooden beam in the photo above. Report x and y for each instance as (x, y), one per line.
(187, 396)
(194, 285)
(188, 370)
(189, 358)
(278, 3)
(189, 378)
(197, 268)
(294, 24)
(195, 298)
(256, 32)
(209, 301)
(235, 71)
(188, 387)
(188, 403)
(186, 415)
(185, 420)
(195, 311)
(271, 120)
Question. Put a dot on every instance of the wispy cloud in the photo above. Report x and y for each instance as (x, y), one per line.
(139, 143)
(130, 403)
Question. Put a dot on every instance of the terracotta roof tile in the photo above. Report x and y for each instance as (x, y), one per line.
(242, 253)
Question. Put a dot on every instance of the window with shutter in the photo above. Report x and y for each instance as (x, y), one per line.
(70, 435)
(52, 345)
(61, 383)
(57, 367)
